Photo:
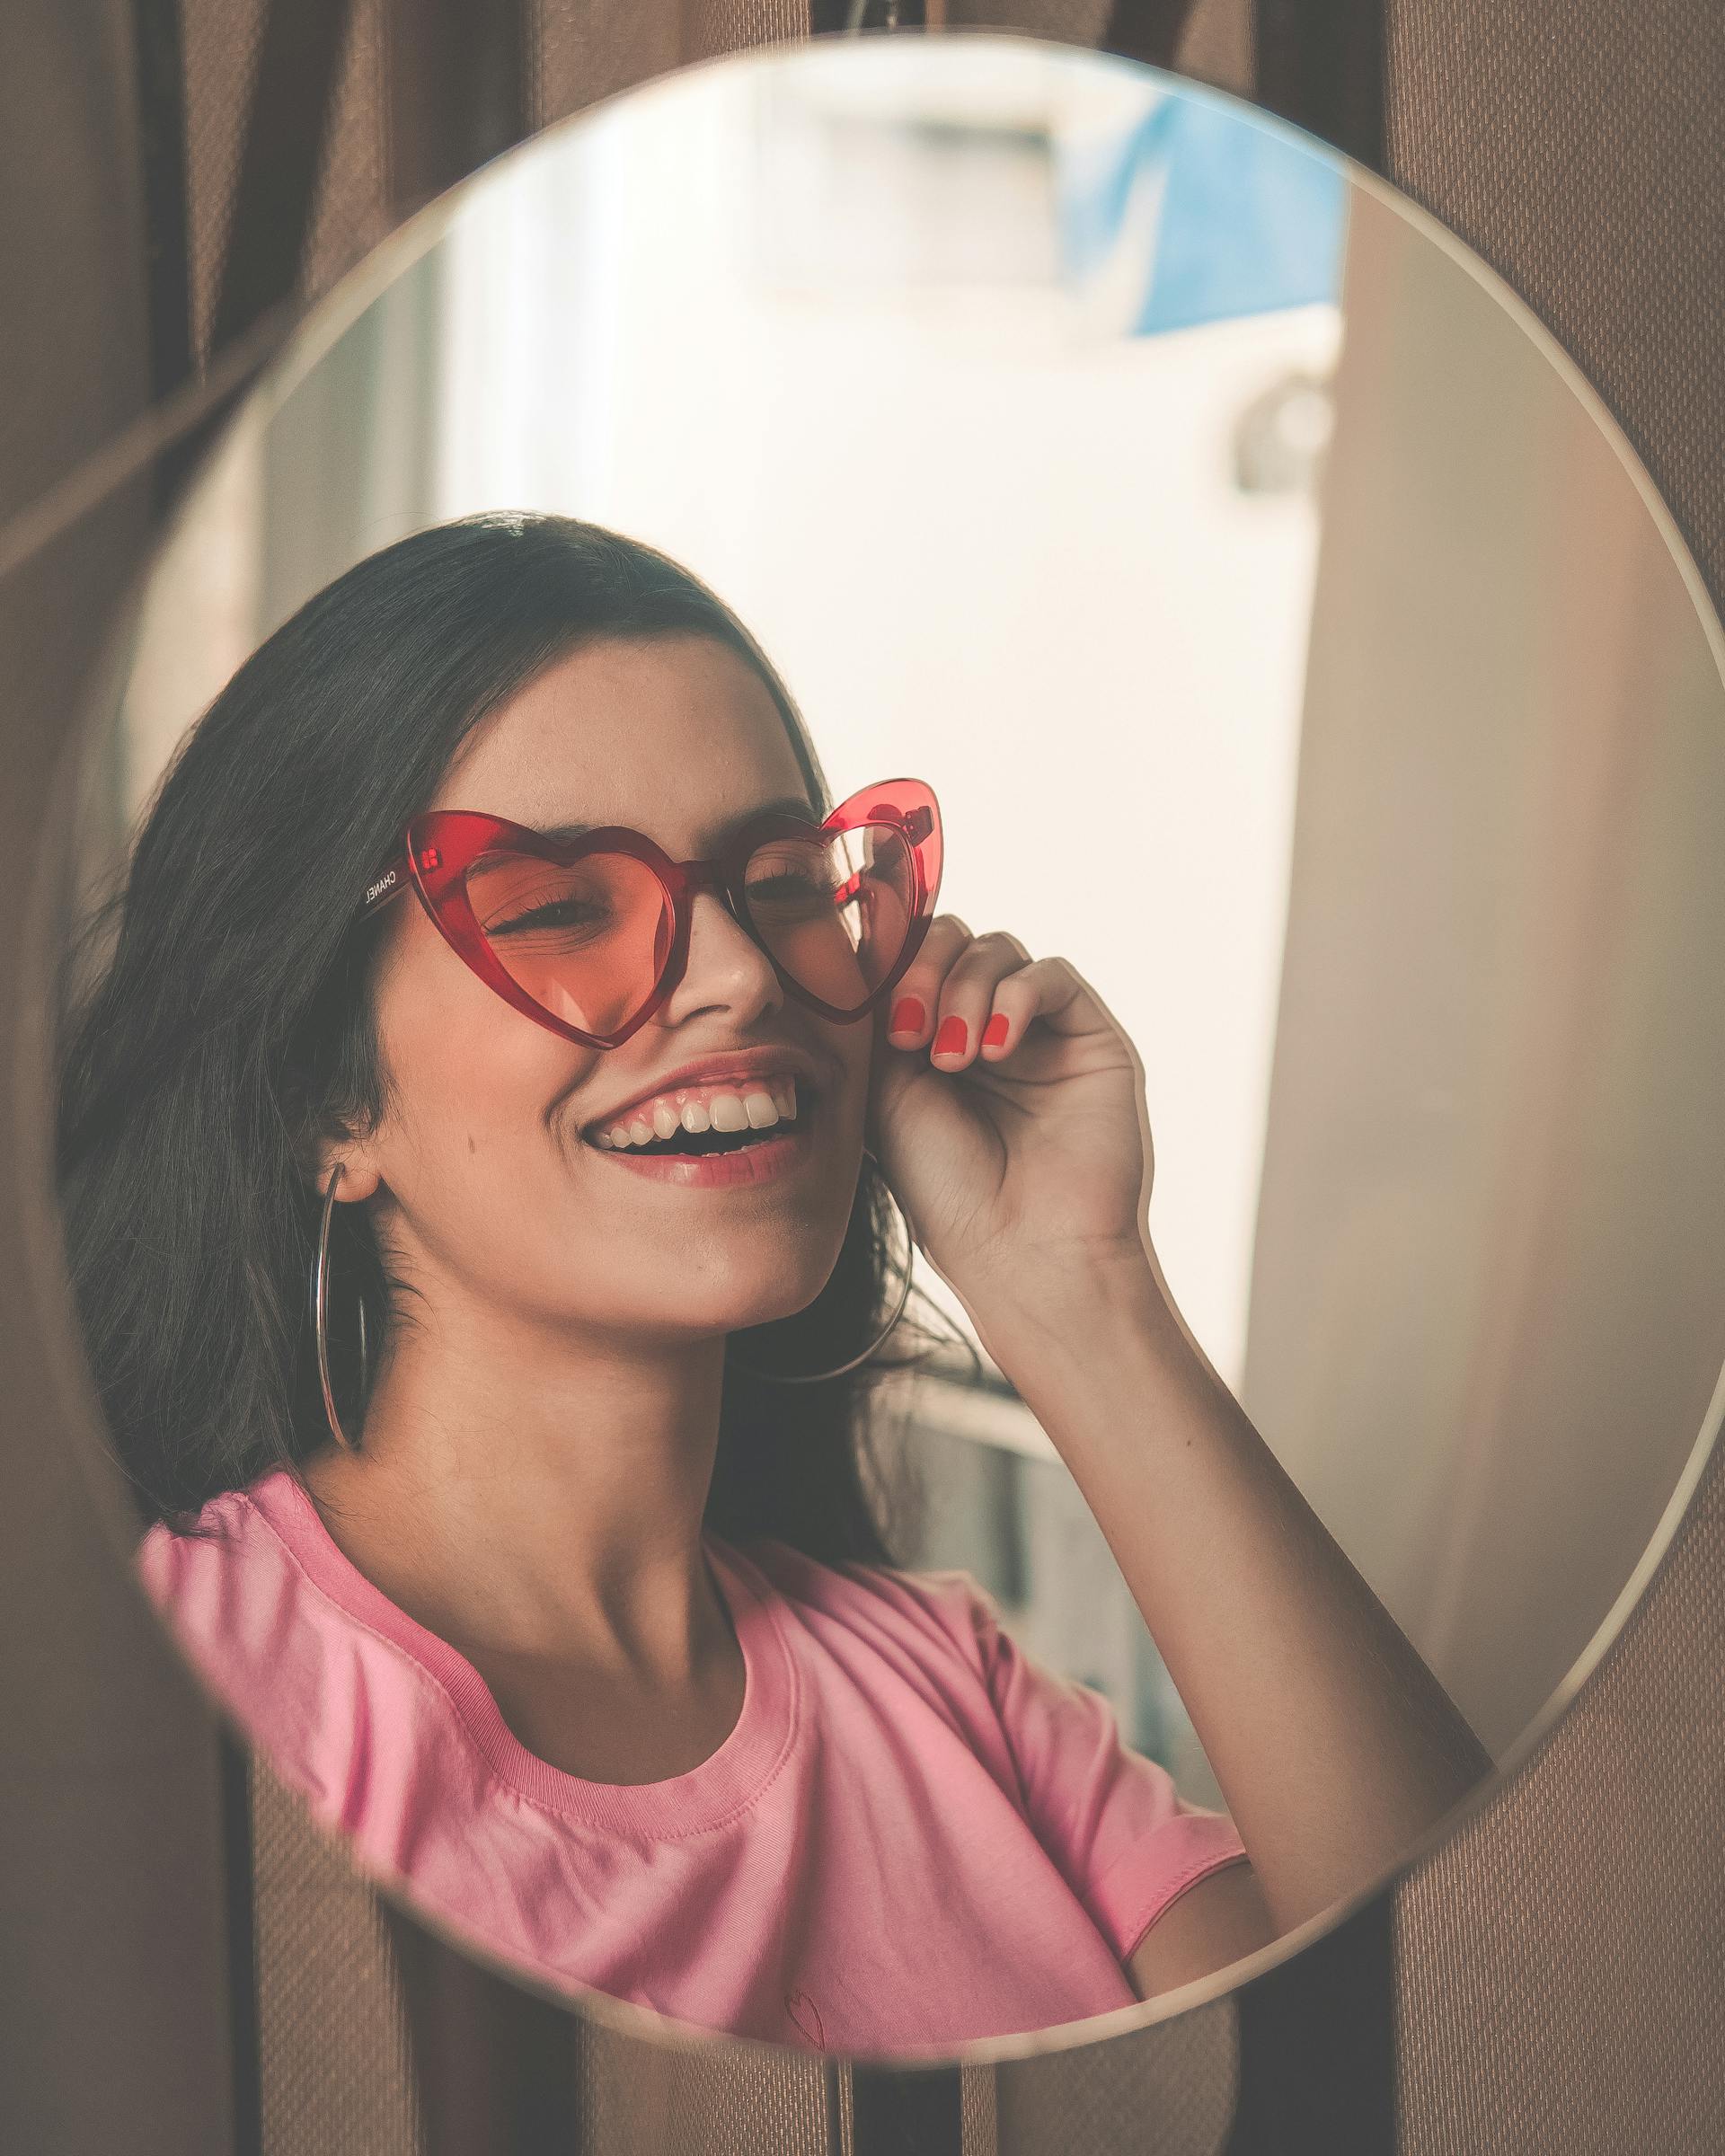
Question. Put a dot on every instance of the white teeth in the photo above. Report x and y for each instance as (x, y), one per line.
(728, 1112)
(773, 1100)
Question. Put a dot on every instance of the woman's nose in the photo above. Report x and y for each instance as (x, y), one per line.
(725, 967)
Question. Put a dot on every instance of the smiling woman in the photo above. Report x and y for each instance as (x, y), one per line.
(586, 1631)
(364, 699)
(578, 1632)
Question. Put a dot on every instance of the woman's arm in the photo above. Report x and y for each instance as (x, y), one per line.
(1025, 1166)
(1334, 1746)
(1222, 1918)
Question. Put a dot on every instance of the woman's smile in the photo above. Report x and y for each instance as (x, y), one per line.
(725, 1160)
(722, 1122)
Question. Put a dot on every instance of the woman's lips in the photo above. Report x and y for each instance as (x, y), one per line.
(766, 1159)
(779, 1150)
(714, 1105)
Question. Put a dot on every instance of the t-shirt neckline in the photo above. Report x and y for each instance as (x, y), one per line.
(723, 1784)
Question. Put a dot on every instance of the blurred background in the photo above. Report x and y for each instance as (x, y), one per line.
(1193, 512)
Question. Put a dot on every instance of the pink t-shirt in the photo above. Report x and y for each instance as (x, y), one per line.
(914, 1837)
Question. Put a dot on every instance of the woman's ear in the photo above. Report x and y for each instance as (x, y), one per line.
(359, 1173)
(359, 1179)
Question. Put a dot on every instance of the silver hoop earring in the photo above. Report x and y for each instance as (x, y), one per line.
(815, 1377)
(319, 1317)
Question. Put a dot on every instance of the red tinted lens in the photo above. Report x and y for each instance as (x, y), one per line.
(586, 942)
(833, 908)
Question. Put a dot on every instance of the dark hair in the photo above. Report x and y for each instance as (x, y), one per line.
(233, 1024)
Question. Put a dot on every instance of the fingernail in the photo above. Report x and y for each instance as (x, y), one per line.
(950, 1038)
(907, 1016)
(994, 1034)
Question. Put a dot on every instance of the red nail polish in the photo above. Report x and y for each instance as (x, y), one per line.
(950, 1038)
(907, 1016)
(994, 1034)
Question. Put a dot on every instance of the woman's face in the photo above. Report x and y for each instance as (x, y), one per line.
(491, 1187)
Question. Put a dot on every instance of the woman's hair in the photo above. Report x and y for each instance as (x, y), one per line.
(233, 1025)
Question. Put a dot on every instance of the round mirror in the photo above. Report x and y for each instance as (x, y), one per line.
(887, 1123)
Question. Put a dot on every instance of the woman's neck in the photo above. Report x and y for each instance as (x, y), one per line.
(523, 1495)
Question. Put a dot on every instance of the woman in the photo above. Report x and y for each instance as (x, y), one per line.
(517, 1542)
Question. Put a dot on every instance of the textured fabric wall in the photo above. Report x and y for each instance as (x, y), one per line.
(1563, 1983)
(336, 2065)
(112, 1950)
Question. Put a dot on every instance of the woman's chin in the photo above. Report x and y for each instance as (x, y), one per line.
(769, 1311)
(749, 1290)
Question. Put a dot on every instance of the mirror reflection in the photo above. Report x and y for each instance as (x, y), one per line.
(881, 1120)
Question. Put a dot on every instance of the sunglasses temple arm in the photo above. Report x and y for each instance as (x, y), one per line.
(395, 879)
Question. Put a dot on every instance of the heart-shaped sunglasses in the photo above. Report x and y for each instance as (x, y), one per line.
(587, 935)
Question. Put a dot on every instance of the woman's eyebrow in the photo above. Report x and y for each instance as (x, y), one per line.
(786, 804)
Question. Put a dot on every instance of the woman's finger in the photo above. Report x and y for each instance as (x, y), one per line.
(1050, 989)
(965, 1002)
(915, 1001)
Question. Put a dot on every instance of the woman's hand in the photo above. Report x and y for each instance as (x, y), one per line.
(1008, 1116)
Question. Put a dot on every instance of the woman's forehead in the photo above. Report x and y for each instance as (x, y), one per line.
(647, 731)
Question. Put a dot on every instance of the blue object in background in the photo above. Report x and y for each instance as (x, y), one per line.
(1248, 220)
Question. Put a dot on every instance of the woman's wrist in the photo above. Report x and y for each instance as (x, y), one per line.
(1047, 1323)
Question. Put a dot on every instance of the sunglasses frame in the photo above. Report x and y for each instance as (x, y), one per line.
(440, 846)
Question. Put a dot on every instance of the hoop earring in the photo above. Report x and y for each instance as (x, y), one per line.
(320, 1318)
(815, 1377)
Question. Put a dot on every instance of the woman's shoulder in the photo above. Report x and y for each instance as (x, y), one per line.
(946, 1607)
(236, 1586)
(208, 1542)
